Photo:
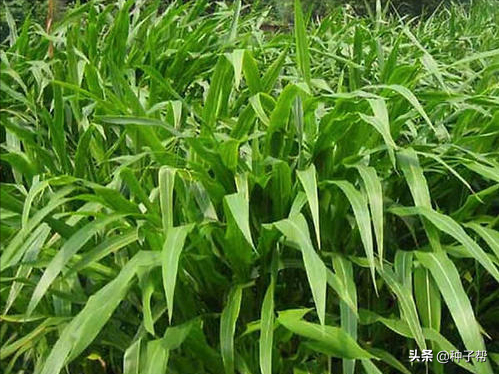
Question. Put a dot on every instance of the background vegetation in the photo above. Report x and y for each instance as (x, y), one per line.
(37, 9)
(187, 190)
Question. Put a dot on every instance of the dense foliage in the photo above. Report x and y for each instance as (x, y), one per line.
(192, 192)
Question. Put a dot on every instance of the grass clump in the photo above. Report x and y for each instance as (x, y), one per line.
(184, 192)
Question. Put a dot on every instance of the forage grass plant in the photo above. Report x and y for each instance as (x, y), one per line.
(184, 192)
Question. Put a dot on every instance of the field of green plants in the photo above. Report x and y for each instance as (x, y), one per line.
(195, 188)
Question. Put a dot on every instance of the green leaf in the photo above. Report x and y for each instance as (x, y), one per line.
(166, 185)
(146, 283)
(490, 236)
(327, 339)
(267, 331)
(489, 172)
(361, 211)
(236, 58)
(158, 351)
(251, 73)
(83, 155)
(370, 368)
(346, 288)
(427, 298)
(302, 53)
(296, 231)
(409, 163)
(447, 278)
(108, 246)
(228, 327)
(216, 92)
(381, 122)
(70, 248)
(85, 326)
(272, 74)
(348, 316)
(309, 182)
(403, 268)
(157, 357)
(235, 21)
(135, 187)
(446, 224)
(374, 191)
(33, 245)
(131, 358)
(411, 98)
(170, 256)
(407, 305)
(238, 207)
(15, 248)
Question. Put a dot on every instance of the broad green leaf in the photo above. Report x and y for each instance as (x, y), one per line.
(83, 154)
(236, 58)
(235, 21)
(298, 203)
(267, 331)
(228, 327)
(447, 278)
(108, 246)
(158, 351)
(339, 285)
(280, 114)
(374, 191)
(296, 231)
(57, 130)
(370, 368)
(70, 248)
(443, 344)
(48, 325)
(251, 73)
(490, 236)
(170, 256)
(409, 163)
(135, 187)
(33, 245)
(239, 209)
(216, 92)
(407, 305)
(166, 186)
(302, 52)
(36, 189)
(403, 268)
(348, 316)
(447, 225)
(258, 108)
(272, 74)
(327, 339)
(308, 180)
(361, 212)
(85, 326)
(490, 172)
(413, 173)
(389, 359)
(131, 358)
(411, 98)
(427, 299)
(146, 283)
(157, 357)
(401, 328)
(15, 248)
(381, 122)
